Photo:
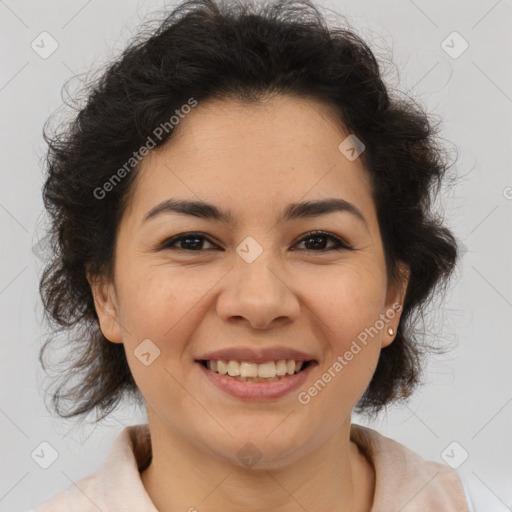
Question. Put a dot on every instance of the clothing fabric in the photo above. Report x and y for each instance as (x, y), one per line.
(404, 481)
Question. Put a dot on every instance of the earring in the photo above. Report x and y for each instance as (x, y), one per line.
(390, 331)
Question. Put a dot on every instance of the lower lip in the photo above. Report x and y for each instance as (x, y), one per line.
(257, 390)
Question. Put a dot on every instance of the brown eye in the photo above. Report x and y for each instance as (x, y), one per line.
(187, 242)
(317, 241)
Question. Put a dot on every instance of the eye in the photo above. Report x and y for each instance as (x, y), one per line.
(187, 242)
(312, 240)
(195, 242)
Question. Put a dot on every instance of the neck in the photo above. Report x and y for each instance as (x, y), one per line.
(334, 478)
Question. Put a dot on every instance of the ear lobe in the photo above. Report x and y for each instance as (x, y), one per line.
(105, 303)
(394, 304)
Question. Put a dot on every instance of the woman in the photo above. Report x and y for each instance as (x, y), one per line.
(243, 238)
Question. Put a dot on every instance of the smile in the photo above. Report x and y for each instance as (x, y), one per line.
(246, 371)
(252, 381)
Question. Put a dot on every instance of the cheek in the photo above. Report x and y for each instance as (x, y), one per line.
(346, 307)
(347, 299)
(163, 303)
(159, 311)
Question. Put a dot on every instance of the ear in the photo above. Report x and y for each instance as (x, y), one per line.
(105, 302)
(394, 303)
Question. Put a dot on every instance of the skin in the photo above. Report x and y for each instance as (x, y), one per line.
(253, 160)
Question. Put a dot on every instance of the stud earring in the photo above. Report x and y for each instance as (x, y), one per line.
(390, 331)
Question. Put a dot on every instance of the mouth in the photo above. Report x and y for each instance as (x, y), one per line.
(245, 371)
(251, 381)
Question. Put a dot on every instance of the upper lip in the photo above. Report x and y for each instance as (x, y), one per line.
(256, 355)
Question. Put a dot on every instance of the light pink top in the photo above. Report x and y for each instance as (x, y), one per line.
(404, 480)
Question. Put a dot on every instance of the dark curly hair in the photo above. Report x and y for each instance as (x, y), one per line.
(234, 50)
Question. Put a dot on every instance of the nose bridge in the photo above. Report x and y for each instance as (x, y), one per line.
(257, 268)
(258, 290)
(260, 275)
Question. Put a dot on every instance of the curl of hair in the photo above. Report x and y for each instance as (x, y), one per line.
(234, 50)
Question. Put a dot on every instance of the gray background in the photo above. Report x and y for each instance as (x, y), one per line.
(467, 395)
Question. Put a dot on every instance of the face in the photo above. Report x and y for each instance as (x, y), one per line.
(257, 280)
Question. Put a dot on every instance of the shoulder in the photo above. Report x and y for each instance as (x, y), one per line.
(80, 496)
(405, 480)
(116, 485)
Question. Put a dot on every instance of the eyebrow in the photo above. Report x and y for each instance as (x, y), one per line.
(293, 211)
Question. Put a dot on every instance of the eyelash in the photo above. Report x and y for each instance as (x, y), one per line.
(170, 242)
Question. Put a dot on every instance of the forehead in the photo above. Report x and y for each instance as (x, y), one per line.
(250, 156)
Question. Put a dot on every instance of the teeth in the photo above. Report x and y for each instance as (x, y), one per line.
(248, 369)
(281, 368)
(267, 370)
(252, 372)
(233, 369)
(222, 367)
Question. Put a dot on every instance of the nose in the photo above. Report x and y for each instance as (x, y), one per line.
(258, 294)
